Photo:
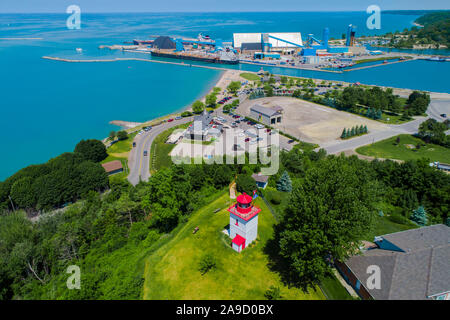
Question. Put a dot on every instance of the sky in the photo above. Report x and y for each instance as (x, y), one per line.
(59, 6)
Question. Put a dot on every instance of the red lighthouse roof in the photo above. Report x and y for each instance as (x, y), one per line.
(243, 208)
(244, 198)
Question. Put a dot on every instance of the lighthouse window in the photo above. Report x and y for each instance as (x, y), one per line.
(244, 205)
(237, 223)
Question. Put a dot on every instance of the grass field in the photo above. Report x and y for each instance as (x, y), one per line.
(406, 149)
(172, 271)
(159, 152)
(250, 76)
(119, 151)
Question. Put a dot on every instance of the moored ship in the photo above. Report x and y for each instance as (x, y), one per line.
(222, 57)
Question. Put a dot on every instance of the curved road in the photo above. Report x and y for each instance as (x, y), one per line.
(435, 109)
(138, 163)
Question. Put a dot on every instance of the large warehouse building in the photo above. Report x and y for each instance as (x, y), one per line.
(256, 38)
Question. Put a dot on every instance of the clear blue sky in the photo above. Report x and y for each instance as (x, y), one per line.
(215, 5)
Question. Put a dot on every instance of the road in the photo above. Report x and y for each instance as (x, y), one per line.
(138, 163)
(437, 107)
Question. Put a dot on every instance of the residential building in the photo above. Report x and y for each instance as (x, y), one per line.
(411, 265)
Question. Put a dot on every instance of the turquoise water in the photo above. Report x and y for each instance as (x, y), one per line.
(48, 106)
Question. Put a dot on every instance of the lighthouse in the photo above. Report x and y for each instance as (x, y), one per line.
(243, 222)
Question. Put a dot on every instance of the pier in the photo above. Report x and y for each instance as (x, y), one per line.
(377, 65)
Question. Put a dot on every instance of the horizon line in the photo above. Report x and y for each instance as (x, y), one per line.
(243, 11)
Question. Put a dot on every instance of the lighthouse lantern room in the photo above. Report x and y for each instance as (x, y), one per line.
(243, 222)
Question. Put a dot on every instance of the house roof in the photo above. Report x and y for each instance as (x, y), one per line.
(238, 240)
(260, 178)
(419, 272)
(112, 166)
(269, 112)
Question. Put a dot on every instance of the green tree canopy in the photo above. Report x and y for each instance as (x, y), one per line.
(92, 150)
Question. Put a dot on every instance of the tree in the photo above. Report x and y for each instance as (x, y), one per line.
(92, 150)
(122, 135)
(344, 134)
(211, 99)
(419, 216)
(245, 183)
(234, 86)
(434, 131)
(207, 263)
(22, 193)
(112, 135)
(198, 106)
(268, 90)
(352, 132)
(285, 183)
(326, 218)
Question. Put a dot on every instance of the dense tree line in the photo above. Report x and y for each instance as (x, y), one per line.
(377, 100)
(107, 234)
(334, 201)
(61, 180)
(435, 31)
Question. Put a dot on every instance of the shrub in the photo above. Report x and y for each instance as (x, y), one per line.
(275, 198)
(186, 114)
(207, 263)
(273, 293)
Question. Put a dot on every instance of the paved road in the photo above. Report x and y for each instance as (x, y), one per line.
(437, 107)
(138, 163)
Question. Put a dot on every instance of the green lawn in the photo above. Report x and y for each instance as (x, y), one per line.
(119, 151)
(388, 149)
(250, 76)
(334, 290)
(159, 152)
(172, 272)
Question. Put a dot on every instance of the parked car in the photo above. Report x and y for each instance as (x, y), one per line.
(170, 120)
(444, 115)
(247, 139)
(134, 144)
(178, 118)
(145, 153)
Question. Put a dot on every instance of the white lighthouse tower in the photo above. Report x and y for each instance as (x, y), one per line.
(243, 222)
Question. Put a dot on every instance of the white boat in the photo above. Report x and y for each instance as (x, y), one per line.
(79, 50)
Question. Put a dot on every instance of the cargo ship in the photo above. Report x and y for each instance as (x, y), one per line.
(222, 57)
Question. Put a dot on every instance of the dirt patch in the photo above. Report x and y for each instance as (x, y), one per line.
(311, 122)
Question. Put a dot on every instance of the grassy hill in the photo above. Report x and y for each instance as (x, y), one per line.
(172, 272)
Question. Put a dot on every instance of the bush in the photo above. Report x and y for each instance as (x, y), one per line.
(186, 114)
(275, 198)
(273, 293)
(207, 263)
(122, 135)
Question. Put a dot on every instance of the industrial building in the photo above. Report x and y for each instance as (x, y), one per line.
(265, 115)
(266, 40)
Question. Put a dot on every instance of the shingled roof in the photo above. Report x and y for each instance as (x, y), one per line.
(418, 270)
